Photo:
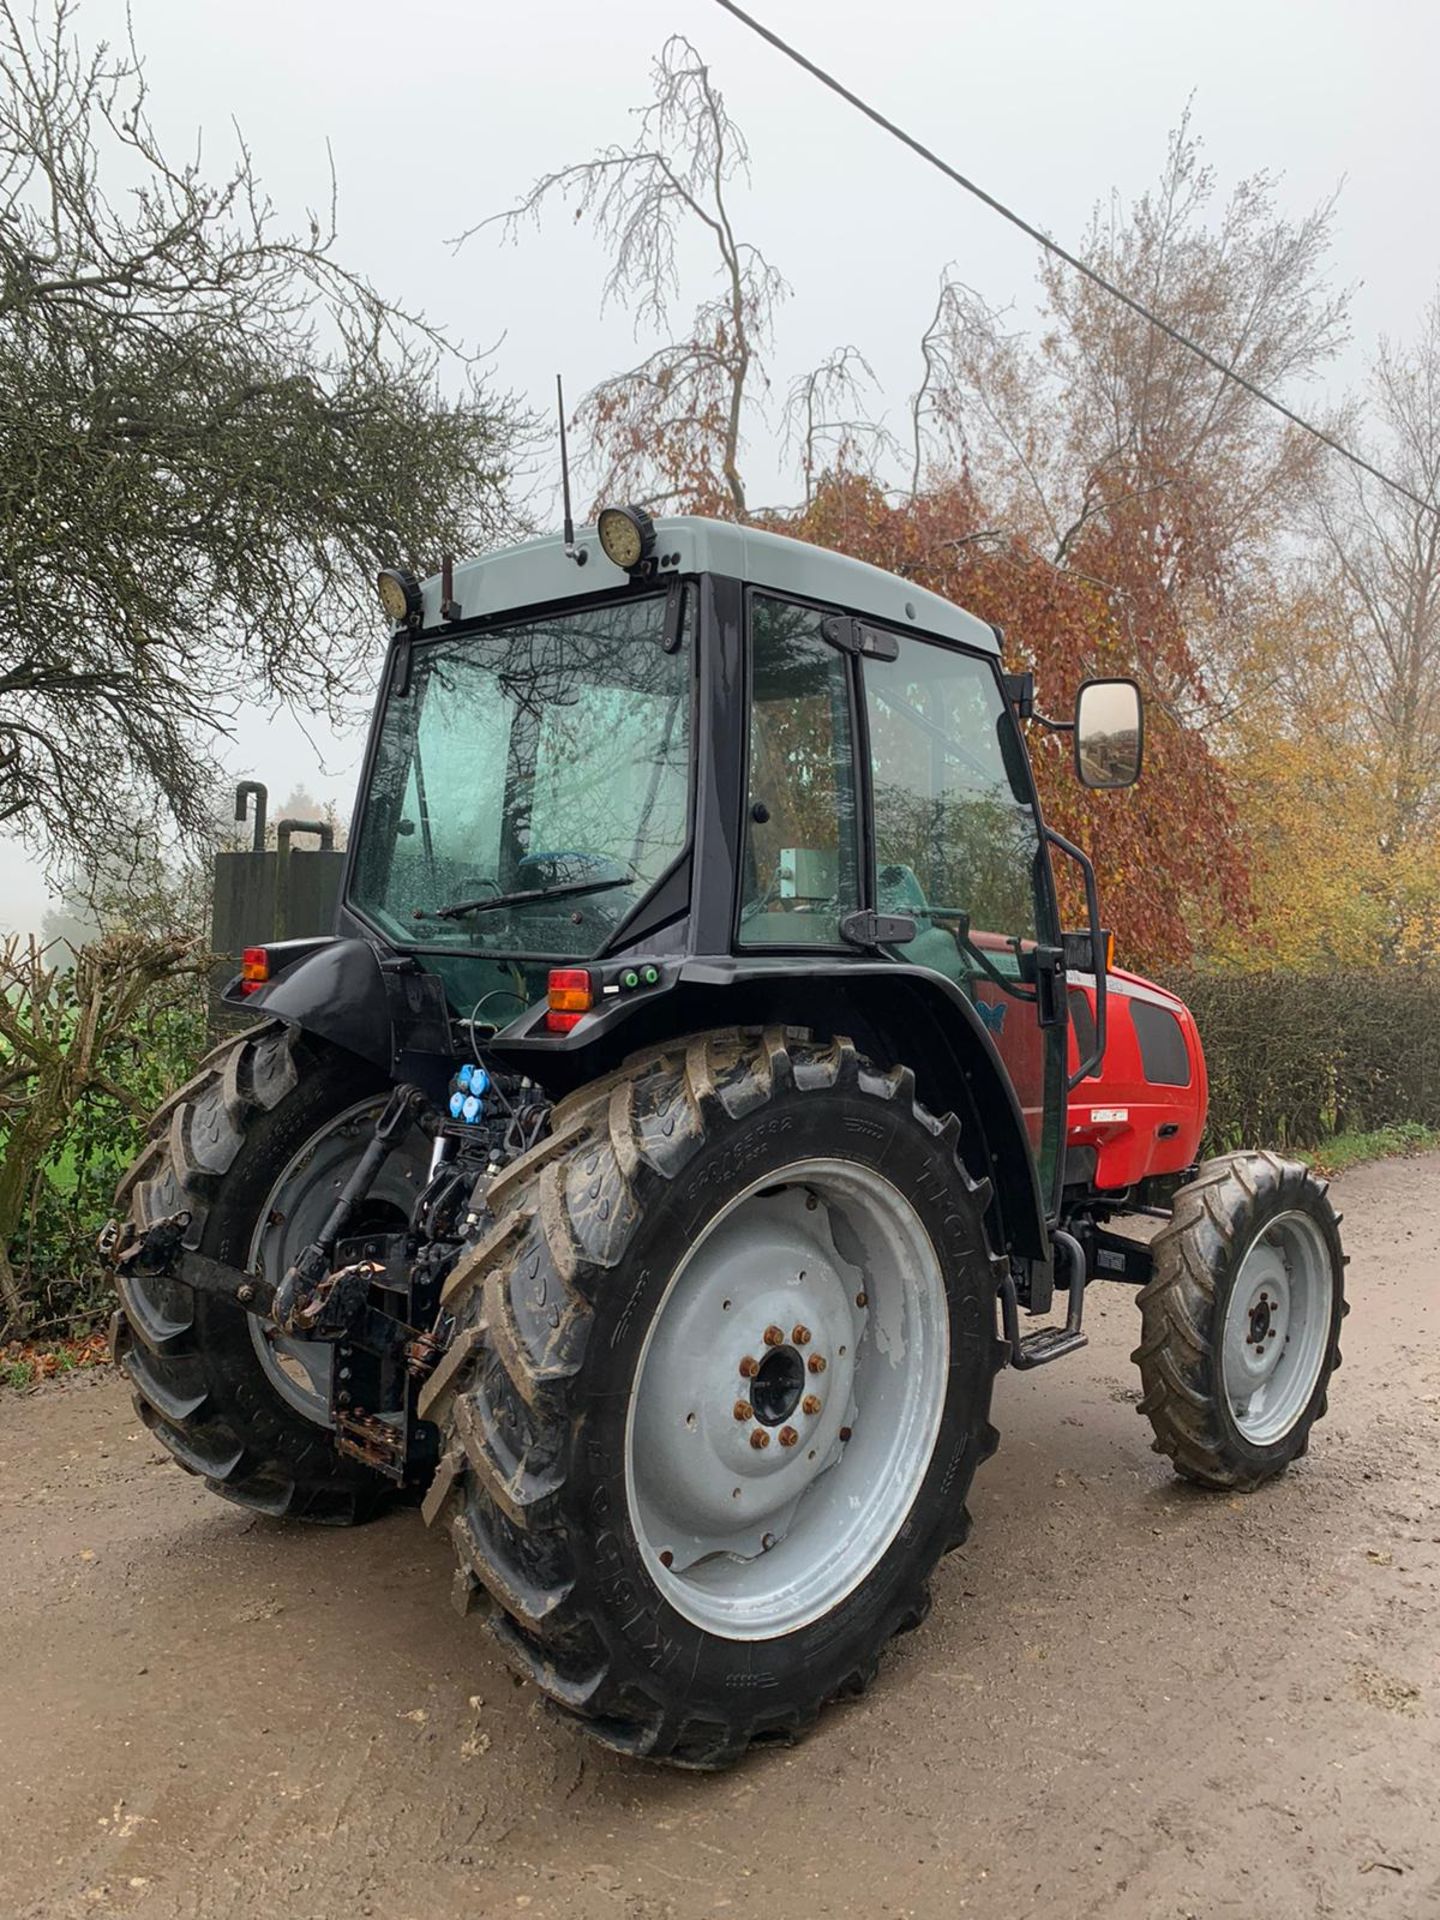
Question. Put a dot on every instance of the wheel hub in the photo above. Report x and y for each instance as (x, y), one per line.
(1265, 1315)
(777, 1387)
(1261, 1316)
(734, 1438)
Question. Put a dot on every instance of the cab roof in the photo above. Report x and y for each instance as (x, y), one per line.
(539, 571)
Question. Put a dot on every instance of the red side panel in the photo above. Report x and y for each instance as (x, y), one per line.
(1144, 1111)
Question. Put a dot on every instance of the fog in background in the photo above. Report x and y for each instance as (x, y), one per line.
(438, 114)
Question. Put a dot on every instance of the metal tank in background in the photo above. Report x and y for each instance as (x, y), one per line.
(263, 893)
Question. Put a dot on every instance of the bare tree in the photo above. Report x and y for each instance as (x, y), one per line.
(1106, 418)
(1382, 561)
(827, 422)
(210, 433)
(676, 420)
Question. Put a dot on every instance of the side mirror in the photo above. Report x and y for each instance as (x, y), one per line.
(1109, 733)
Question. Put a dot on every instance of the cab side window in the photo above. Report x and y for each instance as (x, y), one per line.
(956, 838)
(801, 861)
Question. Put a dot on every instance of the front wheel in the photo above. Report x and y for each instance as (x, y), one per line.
(727, 1359)
(1241, 1321)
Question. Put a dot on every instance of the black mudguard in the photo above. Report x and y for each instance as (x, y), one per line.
(386, 1010)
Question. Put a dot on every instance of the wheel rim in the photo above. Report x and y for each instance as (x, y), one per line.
(811, 1312)
(292, 1216)
(1277, 1327)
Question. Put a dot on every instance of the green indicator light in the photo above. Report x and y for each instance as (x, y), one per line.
(650, 976)
(630, 979)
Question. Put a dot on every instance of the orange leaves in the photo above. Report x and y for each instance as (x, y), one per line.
(1171, 861)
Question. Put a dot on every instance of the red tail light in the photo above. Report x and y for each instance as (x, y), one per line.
(254, 969)
(570, 998)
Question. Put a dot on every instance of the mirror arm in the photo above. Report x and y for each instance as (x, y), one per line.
(1020, 692)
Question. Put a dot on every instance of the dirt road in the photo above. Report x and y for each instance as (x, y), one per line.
(1130, 1699)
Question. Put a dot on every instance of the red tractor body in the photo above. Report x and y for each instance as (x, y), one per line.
(1143, 1113)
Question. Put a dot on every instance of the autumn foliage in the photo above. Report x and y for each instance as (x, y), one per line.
(1111, 502)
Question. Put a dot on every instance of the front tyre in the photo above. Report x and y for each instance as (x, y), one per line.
(721, 1379)
(1241, 1321)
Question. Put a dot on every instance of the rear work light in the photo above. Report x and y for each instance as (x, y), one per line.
(570, 998)
(254, 969)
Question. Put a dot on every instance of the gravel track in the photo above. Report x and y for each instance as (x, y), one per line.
(1131, 1699)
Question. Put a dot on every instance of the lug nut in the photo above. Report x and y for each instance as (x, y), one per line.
(845, 1433)
(744, 1410)
(667, 1558)
(816, 1363)
(759, 1438)
(862, 1299)
(749, 1367)
(810, 1404)
(774, 1336)
(788, 1436)
(801, 1336)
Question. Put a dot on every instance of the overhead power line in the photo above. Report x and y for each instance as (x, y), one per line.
(1070, 259)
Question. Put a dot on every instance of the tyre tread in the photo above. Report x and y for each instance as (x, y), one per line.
(1177, 1355)
(195, 1138)
(510, 1414)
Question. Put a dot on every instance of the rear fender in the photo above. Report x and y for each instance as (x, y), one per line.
(388, 1011)
(897, 1015)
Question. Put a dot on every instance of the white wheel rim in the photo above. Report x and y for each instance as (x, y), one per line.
(1277, 1327)
(753, 1539)
(293, 1213)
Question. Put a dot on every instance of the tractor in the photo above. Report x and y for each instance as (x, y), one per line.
(698, 1103)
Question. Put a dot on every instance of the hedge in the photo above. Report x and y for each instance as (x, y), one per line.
(1297, 1058)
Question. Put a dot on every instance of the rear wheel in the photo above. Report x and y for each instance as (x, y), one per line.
(1241, 1322)
(255, 1148)
(721, 1378)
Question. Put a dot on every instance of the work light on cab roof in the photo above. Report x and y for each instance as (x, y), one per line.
(400, 595)
(627, 535)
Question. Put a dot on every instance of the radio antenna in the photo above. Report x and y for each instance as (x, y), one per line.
(571, 551)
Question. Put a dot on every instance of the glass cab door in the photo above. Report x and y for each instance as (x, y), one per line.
(953, 841)
(957, 848)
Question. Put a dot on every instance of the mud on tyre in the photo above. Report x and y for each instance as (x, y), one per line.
(203, 1378)
(742, 1295)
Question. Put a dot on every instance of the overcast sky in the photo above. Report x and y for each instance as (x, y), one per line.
(439, 113)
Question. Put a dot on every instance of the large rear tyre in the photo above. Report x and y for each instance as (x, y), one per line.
(255, 1148)
(720, 1381)
(1241, 1321)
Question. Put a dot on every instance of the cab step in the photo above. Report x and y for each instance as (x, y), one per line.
(1038, 1349)
(1045, 1344)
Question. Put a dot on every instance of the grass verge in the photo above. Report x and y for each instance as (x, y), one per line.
(1382, 1143)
